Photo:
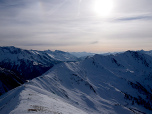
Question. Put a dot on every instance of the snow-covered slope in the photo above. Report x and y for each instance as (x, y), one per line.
(113, 84)
(31, 99)
(61, 55)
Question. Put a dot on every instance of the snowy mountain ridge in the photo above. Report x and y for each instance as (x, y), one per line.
(82, 54)
(28, 64)
(112, 84)
(13, 58)
(61, 56)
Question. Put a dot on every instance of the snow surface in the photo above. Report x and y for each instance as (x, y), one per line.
(31, 99)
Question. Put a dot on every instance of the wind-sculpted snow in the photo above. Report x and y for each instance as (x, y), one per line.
(31, 99)
(113, 84)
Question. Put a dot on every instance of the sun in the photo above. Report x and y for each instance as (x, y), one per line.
(103, 8)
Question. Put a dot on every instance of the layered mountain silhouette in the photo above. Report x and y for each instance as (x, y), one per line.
(102, 84)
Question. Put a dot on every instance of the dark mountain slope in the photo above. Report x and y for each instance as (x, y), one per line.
(8, 80)
(27, 63)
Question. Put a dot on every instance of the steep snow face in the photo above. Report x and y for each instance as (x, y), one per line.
(61, 56)
(133, 72)
(113, 84)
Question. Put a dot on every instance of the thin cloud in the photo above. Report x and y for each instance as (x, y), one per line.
(51, 44)
(134, 18)
(72, 23)
(94, 42)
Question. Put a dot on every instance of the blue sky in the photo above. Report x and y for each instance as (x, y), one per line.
(75, 25)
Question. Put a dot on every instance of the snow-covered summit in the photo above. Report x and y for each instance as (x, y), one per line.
(10, 49)
(61, 55)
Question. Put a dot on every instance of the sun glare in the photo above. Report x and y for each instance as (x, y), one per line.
(103, 7)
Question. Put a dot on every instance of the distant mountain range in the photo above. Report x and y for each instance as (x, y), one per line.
(102, 84)
(61, 55)
(146, 52)
(82, 54)
(28, 64)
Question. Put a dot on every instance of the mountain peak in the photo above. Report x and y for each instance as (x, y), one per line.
(59, 51)
(10, 49)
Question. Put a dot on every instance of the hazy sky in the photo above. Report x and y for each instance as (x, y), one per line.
(77, 25)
